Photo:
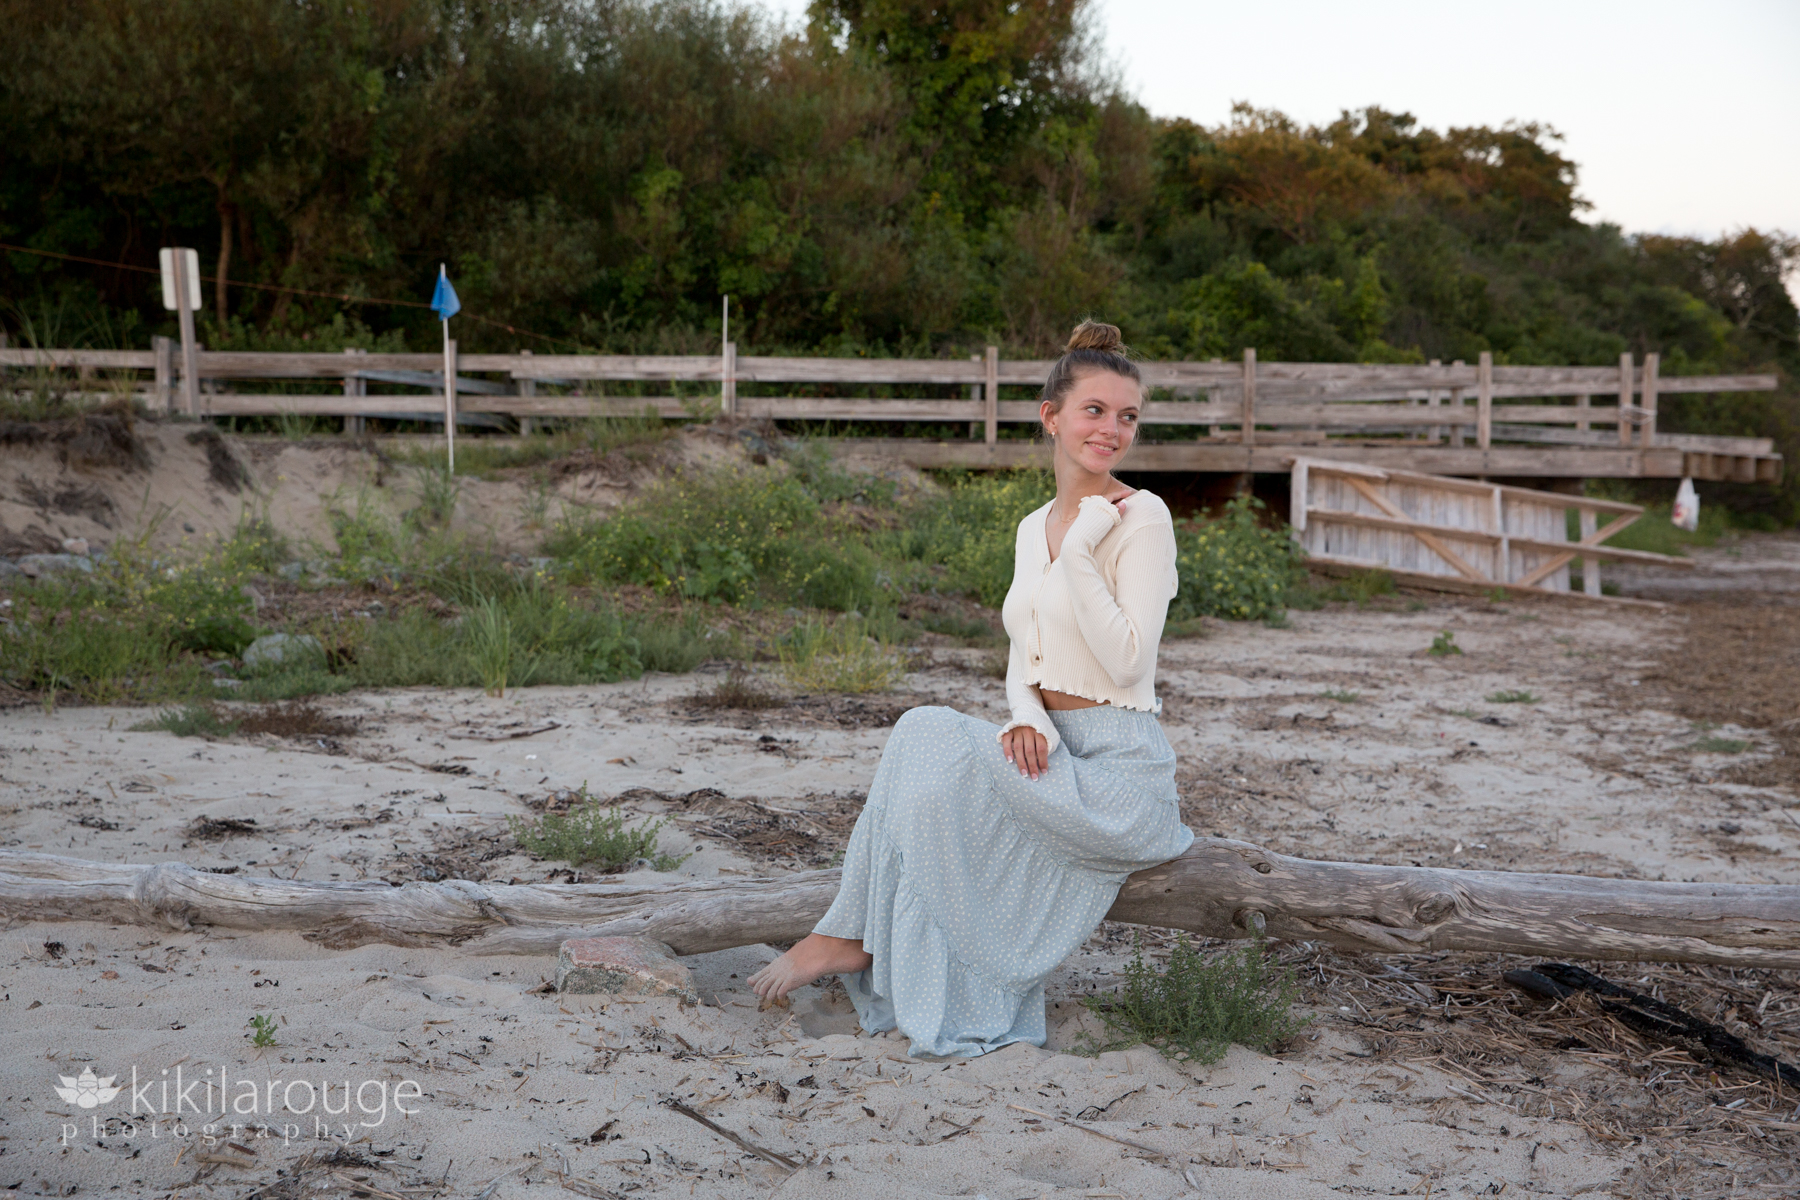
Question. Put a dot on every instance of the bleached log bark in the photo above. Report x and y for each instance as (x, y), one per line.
(1219, 889)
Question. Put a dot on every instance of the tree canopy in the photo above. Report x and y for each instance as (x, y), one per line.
(902, 176)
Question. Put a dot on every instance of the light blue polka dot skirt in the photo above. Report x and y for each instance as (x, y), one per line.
(969, 883)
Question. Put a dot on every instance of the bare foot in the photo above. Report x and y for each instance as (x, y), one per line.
(812, 958)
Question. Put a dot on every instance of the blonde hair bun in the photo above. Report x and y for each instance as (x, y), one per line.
(1096, 335)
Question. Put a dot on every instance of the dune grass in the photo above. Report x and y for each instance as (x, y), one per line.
(593, 834)
(1198, 1006)
(824, 565)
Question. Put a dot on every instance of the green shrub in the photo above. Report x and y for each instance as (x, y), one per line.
(840, 657)
(1512, 697)
(190, 720)
(819, 473)
(1358, 588)
(737, 690)
(216, 633)
(1233, 567)
(679, 645)
(489, 458)
(1197, 1007)
(592, 833)
(971, 529)
(438, 493)
(969, 629)
(64, 636)
(1444, 645)
(1656, 533)
(729, 536)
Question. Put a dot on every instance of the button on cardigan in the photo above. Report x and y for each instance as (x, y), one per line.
(1088, 624)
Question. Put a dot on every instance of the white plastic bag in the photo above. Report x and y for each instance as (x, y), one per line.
(1686, 514)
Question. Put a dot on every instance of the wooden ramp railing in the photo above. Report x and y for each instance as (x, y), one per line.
(1439, 531)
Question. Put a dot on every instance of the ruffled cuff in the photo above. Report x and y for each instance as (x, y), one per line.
(1042, 725)
(1096, 518)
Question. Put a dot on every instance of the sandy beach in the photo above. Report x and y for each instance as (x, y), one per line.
(483, 1084)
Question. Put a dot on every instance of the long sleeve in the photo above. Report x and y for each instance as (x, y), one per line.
(1023, 699)
(1122, 632)
(1026, 706)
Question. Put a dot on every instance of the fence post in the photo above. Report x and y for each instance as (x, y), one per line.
(190, 367)
(1484, 400)
(1456, 402)
(1590, 567)
(1581, 422)
(991, 415)
(204, 387)
(164, 395)
(353, 422)
(975, 427)
(1625, 389)
(1433, 398)
(728, 381)
(526, 387)
(1247, 429)
(1212, 397)
(1647, 432)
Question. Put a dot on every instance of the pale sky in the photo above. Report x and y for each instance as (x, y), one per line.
(1683, 118)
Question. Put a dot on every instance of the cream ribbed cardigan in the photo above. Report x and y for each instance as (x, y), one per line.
(1089, 623)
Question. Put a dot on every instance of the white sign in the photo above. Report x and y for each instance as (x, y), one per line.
(192, 264)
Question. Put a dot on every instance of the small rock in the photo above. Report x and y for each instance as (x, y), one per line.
(76, 545)
(622, 966)
(10, 570)
(39, 565)
(293, 572)
(273, 649)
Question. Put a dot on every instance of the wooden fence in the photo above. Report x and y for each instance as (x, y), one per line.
(1457, 418)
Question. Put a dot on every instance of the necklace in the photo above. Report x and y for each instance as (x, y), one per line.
(1070, 520)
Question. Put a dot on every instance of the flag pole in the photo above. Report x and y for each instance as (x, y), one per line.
(449, 396)
(446, 305)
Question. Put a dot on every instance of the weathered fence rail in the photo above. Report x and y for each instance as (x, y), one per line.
(1453, 418)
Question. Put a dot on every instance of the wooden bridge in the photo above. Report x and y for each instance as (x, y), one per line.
(1446, 419)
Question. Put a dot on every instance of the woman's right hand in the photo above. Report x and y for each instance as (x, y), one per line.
(1026, 749)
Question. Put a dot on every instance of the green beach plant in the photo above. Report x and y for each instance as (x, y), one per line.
(1198, 1005)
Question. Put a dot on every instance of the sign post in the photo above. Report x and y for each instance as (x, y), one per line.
(181, 294)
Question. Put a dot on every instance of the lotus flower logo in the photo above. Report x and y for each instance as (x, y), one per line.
(87, 1090)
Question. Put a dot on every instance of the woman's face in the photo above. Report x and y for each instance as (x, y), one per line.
(1097, 422)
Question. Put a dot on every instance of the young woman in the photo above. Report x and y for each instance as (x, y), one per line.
(985, 856)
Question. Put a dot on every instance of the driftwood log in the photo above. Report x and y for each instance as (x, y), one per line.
(1218, 889)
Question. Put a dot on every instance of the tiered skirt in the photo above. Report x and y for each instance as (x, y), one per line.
(969, 883)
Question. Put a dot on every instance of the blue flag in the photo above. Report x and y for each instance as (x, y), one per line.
(444, 300)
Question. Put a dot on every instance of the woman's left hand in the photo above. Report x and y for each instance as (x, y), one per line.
(1026, 749)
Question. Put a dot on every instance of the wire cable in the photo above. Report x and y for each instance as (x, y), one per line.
(272, 287)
